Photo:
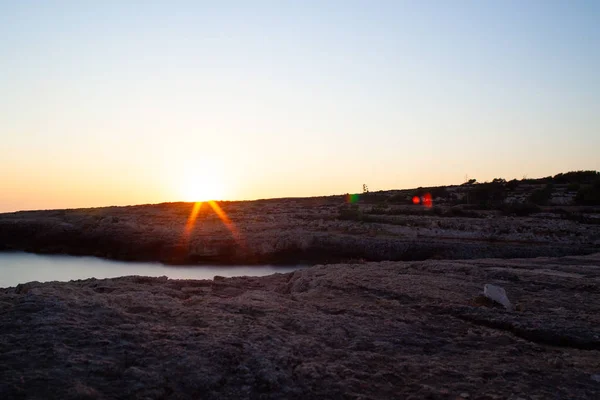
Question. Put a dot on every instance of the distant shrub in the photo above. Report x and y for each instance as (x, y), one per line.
(379, 209)
(530, 181)
(589, 195)
(398, 198)
(520, 209)
(542, 196)
(419, 192)
(438, 211)
(581, 217)
(573, 187)
(462, 212)
(559, 211)
(349, 212)
(487, 195)
(582, 177)
(373, 197)
(590, 210)
(512, 184)
(440, 192)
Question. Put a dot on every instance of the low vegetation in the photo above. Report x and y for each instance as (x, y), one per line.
(476, 200)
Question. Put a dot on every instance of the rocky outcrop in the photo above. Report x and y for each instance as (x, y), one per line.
(367, 330)
(293, 231)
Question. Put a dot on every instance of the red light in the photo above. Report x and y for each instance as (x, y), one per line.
(416, 200)
(427, 202)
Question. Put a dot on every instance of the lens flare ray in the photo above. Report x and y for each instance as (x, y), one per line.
(191, 222)
(225, 219)
(193, 219)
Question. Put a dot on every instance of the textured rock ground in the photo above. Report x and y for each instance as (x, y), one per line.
(311, 230)
(371, 331)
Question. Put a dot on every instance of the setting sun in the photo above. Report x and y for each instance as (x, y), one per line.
(197, 180)
(202, 188)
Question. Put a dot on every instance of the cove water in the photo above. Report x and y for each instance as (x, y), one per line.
(18, 268)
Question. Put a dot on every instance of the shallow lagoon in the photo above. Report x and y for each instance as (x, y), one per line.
(19, 267)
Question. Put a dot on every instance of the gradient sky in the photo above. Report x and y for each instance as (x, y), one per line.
(127, 102)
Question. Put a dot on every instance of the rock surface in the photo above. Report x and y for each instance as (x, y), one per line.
(368, 330)
(497, 294)
(294, 231)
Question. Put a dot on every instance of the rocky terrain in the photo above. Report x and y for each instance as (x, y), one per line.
(313, 230)
(525, 218)
(365, 330)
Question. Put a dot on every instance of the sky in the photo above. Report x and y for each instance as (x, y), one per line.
(121, 102)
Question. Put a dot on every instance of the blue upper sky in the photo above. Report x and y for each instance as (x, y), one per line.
(120, 102)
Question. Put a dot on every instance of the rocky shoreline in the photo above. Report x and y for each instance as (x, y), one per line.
(365, 330)
(295, 231)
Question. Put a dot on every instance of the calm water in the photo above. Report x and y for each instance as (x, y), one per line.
(18, 268)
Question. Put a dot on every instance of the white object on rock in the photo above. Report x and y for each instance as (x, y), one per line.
(497, 294)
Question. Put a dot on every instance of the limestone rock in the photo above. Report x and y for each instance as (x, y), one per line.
(294, 231)
(341, 331)
(497, 294)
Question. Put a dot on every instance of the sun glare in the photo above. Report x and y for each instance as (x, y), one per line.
(202, 189)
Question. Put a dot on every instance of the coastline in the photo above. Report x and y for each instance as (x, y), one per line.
(371, 330)
(292, 231)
